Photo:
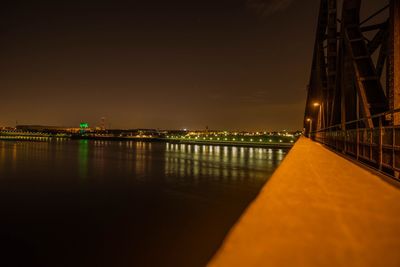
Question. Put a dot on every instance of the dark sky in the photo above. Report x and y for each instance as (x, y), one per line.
(226, 64)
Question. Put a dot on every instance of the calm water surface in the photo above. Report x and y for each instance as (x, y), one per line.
(97, 203)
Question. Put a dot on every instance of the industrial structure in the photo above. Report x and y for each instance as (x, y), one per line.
(353, 101)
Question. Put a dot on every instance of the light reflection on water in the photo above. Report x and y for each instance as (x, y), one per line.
(134, 160)
(196, 161)
(118, 193)
(83, 158)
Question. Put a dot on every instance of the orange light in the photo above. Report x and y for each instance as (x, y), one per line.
(316, 104)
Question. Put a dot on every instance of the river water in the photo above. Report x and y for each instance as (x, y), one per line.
(98, 203)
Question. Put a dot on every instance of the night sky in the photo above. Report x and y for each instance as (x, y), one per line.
(225, 64)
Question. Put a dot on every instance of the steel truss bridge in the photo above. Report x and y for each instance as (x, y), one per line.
(353, 101)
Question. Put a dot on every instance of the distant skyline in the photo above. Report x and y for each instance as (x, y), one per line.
(227, 64)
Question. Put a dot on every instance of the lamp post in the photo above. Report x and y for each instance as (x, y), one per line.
(309, 120)
(317, 104)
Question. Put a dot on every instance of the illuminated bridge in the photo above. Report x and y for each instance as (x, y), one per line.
(335, 200)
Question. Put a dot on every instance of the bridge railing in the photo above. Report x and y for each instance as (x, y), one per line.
(378, 147)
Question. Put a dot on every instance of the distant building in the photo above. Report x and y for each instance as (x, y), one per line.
(45, 128)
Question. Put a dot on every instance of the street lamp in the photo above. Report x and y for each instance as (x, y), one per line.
(309, 120)
(319, 122)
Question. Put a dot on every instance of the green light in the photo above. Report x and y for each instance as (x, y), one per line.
(84, 125)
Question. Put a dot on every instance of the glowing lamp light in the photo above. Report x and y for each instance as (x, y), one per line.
(316, 104)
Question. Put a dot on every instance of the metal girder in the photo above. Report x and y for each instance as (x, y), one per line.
(331, 59)
(349, 102)
(378, 39)
(316, 89)
(349, 106)
(374, 27)
(369, 88)
(344, 78)
(383, 53)
(393, 68)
